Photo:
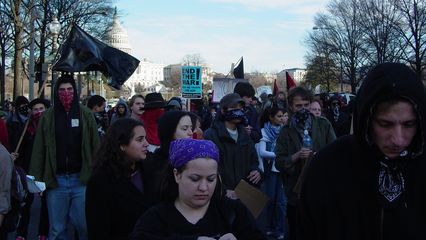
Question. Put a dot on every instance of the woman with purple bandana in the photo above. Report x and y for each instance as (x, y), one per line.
(193, 206)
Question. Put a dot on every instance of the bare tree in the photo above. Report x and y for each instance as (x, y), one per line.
(378, 19)
(193, 60)
(6, 44)
(412, 29)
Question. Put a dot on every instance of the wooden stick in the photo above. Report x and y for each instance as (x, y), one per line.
(28, 121)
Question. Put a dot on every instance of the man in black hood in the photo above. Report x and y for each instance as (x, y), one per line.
(372, 185)
(65, 140)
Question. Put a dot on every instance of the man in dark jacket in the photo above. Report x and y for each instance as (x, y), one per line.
(291, 156)
(64, 143)
(372, 185)
(237, 152)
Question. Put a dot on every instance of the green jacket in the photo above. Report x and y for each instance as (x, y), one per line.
(289, 142)
(43, 159)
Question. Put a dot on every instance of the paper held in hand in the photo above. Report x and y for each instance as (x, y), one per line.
(35, 186)
(254, 199)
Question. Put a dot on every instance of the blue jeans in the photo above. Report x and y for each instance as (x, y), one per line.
(67, 202)
(273, 219)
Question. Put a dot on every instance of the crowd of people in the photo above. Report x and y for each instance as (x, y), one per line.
(148, 168)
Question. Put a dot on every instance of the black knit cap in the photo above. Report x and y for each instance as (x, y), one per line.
(244, 89)
(20, 100)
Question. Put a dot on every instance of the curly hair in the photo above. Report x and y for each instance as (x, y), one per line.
(109, 157)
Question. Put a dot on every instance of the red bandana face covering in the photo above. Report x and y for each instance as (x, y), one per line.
(66, 98)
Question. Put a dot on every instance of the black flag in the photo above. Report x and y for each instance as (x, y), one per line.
(82, 52)
(239, 69)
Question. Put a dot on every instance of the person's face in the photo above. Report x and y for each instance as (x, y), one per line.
(335, 104)
(137, 148)
(315, 109)
(39, 107)
(233, 107)
(247, 100)
(285, 118)
(197, 182)
(137, 105)
(278, 119)
(393, 128)
(121, 109)
(280, 96)
(184, 128)
(299, 104)
(66, 87)
(100, 108)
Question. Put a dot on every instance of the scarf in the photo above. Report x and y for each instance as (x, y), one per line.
(336, 113)
(236, 114)
(391, 179)
(66, 99)
(301, 121)
(271, 131)
(32, 127)
(150, 119)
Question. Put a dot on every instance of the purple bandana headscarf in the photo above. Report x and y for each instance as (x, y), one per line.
(184, 150)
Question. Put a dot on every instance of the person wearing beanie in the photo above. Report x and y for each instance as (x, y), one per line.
(62, 154)
(246, 92)
(236, 148)
(193, 206)
(16, 121)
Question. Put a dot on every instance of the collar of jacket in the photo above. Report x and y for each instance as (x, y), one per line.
(223, 134)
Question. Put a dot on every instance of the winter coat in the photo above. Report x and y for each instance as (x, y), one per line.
(289, 142)
(340, 196)
(44, 162)
(237, 159)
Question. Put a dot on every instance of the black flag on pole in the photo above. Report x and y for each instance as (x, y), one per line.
(82, 53)
(239, 69)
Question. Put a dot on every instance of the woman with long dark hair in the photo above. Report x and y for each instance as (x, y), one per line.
(120, 189)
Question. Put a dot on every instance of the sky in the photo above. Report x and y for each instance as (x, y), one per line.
(269, 34)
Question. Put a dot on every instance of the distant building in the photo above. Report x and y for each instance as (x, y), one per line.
(298, 74)
(174, 70)
(148, 73)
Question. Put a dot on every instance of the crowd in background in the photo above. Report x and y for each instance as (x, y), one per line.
(148, 168)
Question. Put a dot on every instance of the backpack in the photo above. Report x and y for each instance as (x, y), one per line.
(18, 193)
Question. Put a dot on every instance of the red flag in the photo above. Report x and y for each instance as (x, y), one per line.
(276, 88)
(290, 81)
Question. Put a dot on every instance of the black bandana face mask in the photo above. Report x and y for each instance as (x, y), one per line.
(23, 110)
(236, 114)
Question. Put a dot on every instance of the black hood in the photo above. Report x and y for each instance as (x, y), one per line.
(385, 81)
(66, 79)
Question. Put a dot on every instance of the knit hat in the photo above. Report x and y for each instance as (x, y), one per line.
(230, 99)
(184, 150)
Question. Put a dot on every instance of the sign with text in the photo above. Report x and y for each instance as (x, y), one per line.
(191, 82)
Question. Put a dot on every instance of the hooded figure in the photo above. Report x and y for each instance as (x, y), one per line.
(118, 114)
(339, 119)
(372, 185)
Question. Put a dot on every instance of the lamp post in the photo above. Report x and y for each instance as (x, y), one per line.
(54, 29)
(340, 54)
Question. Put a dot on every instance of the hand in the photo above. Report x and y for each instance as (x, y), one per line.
(254, 177)
(231, 194)
(305, 153)
(14, 155)
(228, 236)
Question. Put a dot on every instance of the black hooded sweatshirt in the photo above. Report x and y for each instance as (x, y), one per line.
(340, 198)
(68, 132)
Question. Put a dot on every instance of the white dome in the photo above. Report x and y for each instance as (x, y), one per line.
(117, 36)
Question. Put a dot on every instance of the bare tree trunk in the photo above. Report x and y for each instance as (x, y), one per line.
(2, 75)
(17, 58)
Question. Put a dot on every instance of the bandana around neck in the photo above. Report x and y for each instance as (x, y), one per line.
(66, 99)
(391, 179)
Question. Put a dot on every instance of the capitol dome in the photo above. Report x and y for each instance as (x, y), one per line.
(117, 36)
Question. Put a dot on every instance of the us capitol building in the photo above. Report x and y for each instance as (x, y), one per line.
(147, 74)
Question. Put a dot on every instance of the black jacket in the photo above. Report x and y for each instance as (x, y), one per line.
(114, 205)
(340, 197)
(237, 159)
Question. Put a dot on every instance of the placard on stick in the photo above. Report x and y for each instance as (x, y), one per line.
(254, 199)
